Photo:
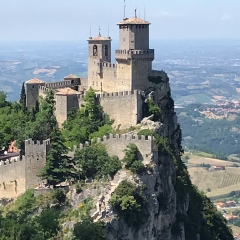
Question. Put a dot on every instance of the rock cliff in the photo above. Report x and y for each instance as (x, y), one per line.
(175, 209)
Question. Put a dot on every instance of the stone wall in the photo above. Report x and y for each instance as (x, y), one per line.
(116, 144)
(35, 158)
(19, 174)
(12, 178)
(32, 93)
(125, 108)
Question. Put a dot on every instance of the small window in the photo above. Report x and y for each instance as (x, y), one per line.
(95, 50)
(106, 50)
(32, 86)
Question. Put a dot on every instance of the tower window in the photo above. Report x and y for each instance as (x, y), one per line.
(106, 50)
(95, 50)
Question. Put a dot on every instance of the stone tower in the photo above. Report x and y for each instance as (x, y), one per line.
(32, 91)
(99, 52)
(134, 56)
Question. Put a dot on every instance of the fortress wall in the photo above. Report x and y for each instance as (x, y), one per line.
(12, 178)
(61, 108)
(32, 93)
(124, 107)
(140, 73)
(42, 91)
(35, 157)
(116, 144)
(60, 84)
(109, 77)
(124, 74)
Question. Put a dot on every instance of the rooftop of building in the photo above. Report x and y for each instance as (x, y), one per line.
(134, 20)
(67, 91)
(71, 76)
(35, 80)
(99, 38)
(8, 155)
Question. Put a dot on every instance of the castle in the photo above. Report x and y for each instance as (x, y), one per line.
(121, 88)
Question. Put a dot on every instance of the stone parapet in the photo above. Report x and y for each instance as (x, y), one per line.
(134, 54)
(118, 94)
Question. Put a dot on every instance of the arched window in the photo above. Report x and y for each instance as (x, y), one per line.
(106, 50)
(95, 50)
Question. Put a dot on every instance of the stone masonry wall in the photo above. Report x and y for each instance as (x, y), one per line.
(116, 144)
(17, 175)
(35, 156)
(124, 107)
(12, 178)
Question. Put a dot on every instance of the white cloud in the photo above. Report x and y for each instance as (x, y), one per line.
(226, 17)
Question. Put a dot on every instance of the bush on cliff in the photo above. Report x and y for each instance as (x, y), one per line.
(88, 230)
(94, 161)
(87, 122)
(131, 158)
(129, 201)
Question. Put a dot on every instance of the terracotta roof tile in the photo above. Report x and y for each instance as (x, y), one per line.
(35, 80)
(133, 21)
(99, 38)
(71, 76)
(67, 91)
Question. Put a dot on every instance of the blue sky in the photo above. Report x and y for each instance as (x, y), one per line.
(71, 19)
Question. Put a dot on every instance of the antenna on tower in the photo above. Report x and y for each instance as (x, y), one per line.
(144, 13)
(124, 7)
(108, 29)
(90, 31)
(135, 13)
(99, 32)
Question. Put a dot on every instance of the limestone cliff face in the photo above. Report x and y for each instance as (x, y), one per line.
(160, 192)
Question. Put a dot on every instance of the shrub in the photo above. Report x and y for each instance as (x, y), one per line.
(131, 159)
(59, 196)
(128, 200)
(94, 161)
(88, 230)
(145, 132)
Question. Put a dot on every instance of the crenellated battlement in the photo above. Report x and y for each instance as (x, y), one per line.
(30, 142)
(43, 88)
(60, 84)
(11, 161)
(105, 65)
(120, 137)
(119, 94)
(116, 143)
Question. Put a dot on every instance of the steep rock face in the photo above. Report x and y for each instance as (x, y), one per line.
(160, 192)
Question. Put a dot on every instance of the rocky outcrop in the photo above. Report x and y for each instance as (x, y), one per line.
(159, 191)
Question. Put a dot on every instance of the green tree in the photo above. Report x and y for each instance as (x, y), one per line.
(58, 166)
(93, 161)
(131, 158)
(88, 230)
(22, 100)
(48, 222)
(129, 201)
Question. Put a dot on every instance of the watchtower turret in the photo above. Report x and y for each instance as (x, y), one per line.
(32, 91)
(134, 56)
(99, 51)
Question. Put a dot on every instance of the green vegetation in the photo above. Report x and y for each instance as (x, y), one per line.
(88, 230)
(131, 158)
(20, 223)
(86, 123)
(94, 162)
(218, 137)
(129, 201)
(145, 132)
(153, 109)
